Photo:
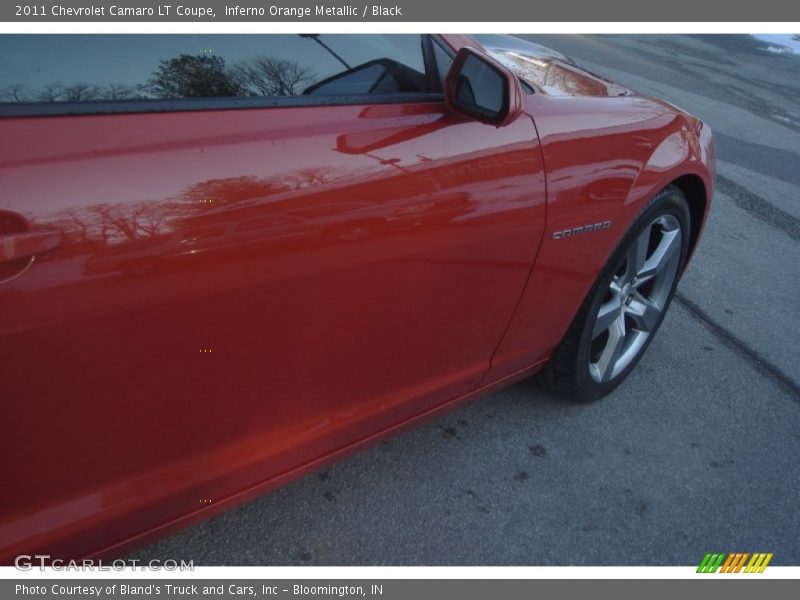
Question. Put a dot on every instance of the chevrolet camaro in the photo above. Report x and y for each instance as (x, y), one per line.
(227, 260)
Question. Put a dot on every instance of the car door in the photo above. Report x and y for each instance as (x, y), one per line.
(267, 252)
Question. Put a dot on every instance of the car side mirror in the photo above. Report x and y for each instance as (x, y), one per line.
(479, 87)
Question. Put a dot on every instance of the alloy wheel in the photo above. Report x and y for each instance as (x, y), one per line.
(636, 298)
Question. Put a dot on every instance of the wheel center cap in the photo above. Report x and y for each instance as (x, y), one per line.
(627, 293)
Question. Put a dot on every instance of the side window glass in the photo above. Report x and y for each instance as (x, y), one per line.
(383, 76)
(443, 60)
(76, 68)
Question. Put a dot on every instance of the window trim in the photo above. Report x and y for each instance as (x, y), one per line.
(105, 107)
(144, 106)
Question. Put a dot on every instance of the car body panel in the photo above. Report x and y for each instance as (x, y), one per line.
(606, 151)
(222, 277)
(604, 159)
(241, 296)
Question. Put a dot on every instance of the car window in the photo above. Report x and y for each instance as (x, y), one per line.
(444, 60)
(382, 76)
(77, 68)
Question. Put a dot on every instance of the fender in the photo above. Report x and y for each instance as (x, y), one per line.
(686, 158)
(689, 151)
(638, 147)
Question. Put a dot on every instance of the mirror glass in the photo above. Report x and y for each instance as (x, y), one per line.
(479, 89)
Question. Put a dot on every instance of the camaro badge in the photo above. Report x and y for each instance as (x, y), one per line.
(568, 233)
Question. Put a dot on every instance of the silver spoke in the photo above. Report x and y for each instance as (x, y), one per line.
(613, 350)
(644, 312)
(609, 312)
(667, 250)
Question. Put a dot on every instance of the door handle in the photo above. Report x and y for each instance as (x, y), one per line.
(28, 243)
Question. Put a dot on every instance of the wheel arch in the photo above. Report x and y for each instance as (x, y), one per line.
(686, 160)
(694, 189)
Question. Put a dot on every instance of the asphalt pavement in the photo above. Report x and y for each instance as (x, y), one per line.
(698, 451)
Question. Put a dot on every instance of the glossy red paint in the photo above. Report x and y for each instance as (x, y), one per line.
(605, 157)
(240, 296)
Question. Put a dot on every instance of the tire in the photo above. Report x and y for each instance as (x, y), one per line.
(626, 305)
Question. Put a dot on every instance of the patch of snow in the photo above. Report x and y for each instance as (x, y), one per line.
(783, 43)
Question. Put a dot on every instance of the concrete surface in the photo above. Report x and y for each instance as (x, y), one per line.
(698, 451)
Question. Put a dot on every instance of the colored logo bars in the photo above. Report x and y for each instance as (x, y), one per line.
(735, 562)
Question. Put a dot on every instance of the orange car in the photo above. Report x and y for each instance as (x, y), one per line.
(228, 260)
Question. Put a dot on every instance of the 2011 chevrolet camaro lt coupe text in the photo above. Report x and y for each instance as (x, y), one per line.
(227, 260)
